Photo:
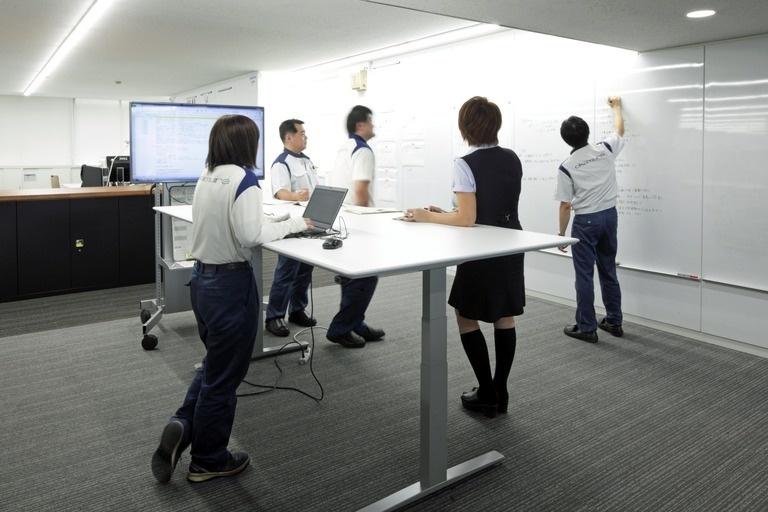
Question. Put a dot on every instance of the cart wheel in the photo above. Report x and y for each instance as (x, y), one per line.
(145, 315)
(149, 342)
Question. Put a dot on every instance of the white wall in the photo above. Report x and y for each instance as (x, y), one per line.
(242, 90)
(538, 81)
(40, 137)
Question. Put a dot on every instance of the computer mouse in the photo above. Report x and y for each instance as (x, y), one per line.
(332, 243)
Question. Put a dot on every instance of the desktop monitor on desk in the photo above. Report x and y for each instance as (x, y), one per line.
(120, 168)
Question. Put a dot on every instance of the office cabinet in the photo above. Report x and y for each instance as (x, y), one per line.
(94, 242)
(56, 241)
(137, 240)
(8, 247)
(43, 253)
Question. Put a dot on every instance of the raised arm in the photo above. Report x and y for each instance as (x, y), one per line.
(618, 117)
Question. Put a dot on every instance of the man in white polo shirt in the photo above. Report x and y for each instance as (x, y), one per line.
(586, 183)
(293, 179)
(354, 170)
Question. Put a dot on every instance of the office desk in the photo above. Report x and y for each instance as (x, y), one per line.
(378, 245)
(50, 194)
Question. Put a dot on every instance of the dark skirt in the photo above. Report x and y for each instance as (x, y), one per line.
(487, 290)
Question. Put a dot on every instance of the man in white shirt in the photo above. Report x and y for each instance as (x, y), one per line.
(354, 170)
(293, 179)
(586, 183)
(355, 162)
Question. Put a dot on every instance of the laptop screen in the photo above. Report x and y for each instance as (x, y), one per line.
(324, 205)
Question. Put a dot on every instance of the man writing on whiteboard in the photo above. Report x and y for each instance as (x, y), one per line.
(586, 184)
(354, 170)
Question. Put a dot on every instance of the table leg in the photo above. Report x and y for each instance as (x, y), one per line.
(259, 350)
(433, 457)
(434, 379)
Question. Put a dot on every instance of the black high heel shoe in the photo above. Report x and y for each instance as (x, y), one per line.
(471, 401)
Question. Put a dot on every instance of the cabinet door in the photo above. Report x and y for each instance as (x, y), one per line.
(94, 242)
(137, 240)
(43, 237)
(8, 247)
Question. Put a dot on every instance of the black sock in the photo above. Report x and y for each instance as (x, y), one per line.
(477, 353)
(506, 342)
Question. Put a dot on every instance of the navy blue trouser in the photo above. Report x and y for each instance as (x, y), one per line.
(290, 285)
(597, 244)
(356, 294)
(226, 306)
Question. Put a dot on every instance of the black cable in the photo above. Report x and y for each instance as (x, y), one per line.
(274, 387)
(346, 231)
(170, 194)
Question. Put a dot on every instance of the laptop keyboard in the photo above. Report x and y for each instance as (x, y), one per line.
(308, 233)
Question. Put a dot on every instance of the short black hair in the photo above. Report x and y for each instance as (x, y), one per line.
(575, 132)
(358, 114)
(234, 140)
(289, 126)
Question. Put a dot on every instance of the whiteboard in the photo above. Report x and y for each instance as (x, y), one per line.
(659, 171)
(548, 91)
(735, 177)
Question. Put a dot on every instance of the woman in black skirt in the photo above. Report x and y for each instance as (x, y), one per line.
(486, 182)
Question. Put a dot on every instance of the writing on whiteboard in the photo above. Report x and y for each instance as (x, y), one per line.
(636, 201)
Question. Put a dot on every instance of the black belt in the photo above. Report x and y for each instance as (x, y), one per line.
(210, 268)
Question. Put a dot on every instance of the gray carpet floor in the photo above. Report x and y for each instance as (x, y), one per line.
(84, 308)
(649, 422)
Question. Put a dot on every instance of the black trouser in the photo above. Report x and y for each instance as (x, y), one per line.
(226, 305)
(356, 294)
(597, 244)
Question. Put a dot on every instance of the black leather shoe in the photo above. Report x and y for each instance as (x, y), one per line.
(169, 451)
(277, 327)
(471, 401)
(614, 329)
(370, 333)
(300, 318)
(237, 462)
(574, 332)
(349, 340)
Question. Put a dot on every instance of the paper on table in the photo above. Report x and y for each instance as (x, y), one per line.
(364, 210)
(273, 201)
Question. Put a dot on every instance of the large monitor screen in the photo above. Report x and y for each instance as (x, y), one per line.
(169, 141)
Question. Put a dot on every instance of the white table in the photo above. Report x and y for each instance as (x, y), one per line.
(184, 212)
(379, 246)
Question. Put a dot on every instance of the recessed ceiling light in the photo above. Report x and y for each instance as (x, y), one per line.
(706, 13)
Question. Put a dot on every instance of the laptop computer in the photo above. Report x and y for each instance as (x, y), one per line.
(322, 209)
